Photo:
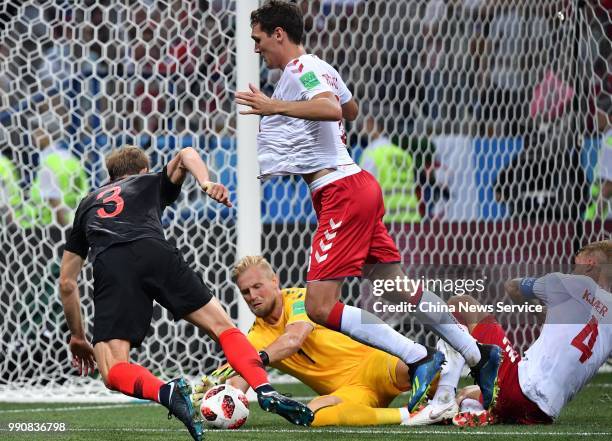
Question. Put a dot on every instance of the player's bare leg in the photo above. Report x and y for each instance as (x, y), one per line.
(211, 318)
(484, 360)
(112, 358)
(324, 401)
(109, 353)
(323, 307)
(243, 358)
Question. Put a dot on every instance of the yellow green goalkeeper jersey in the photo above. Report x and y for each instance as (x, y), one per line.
(327, 359)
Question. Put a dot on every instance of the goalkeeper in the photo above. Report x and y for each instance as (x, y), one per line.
(355, 382)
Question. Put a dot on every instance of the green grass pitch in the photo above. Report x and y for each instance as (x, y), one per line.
(589, 415)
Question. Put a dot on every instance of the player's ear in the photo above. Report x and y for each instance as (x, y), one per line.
(278, 33)
(144, 170)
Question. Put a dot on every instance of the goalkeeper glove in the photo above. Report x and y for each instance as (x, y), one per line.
(218, 376)
(208, 382)
(222, 373)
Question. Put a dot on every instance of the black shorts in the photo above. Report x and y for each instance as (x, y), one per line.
(129, 276)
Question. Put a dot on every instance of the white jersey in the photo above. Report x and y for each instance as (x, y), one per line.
(575, 341)
(287, 145)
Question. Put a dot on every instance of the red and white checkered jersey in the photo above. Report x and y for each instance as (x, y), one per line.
(287, 145)
(575, 340)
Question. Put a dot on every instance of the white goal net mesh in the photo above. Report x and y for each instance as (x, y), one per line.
(501, 110)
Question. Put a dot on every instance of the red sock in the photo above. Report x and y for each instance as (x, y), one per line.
(135, 381)
(241, 355)
(334, 319)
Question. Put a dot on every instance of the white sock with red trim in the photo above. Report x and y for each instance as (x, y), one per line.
(450, 373)
(432, 312)
(368, 329)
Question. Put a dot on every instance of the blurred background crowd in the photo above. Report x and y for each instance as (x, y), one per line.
(481, 109)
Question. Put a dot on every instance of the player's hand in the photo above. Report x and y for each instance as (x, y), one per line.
(82, 355)
(468, 392)
(208, 382)
(218, 376)
(258, 101)
(224, 372)
(218, 192)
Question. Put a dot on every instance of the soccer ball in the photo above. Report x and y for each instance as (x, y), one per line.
(224, 407)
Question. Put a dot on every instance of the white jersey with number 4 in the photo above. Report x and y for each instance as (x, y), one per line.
(575, 340)
(287, 145)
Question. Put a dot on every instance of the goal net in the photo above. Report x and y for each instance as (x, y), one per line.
(501, 110)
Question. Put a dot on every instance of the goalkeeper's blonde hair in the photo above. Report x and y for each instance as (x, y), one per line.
(247, 262)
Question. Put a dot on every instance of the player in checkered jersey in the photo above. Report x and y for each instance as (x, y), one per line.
(301, 133)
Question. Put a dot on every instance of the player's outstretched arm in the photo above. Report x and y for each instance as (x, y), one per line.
(69, 291)
(322, 107)
(472, 392)
(289, 342)
(521, 290)
(513, 291)
(239, 383)
(189, 161)
(82, 351)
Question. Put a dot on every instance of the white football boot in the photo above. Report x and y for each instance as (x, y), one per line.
(433, 413)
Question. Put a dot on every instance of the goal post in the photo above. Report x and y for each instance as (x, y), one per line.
(248, 190)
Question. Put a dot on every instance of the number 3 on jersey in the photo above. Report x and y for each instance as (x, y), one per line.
(112, 196)
(590, 331)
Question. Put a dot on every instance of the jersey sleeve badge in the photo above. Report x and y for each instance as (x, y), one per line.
(309, 80)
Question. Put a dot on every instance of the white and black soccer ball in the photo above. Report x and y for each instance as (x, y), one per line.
(224, 407)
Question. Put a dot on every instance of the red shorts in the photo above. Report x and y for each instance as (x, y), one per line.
(512, 405)
(351, 232)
